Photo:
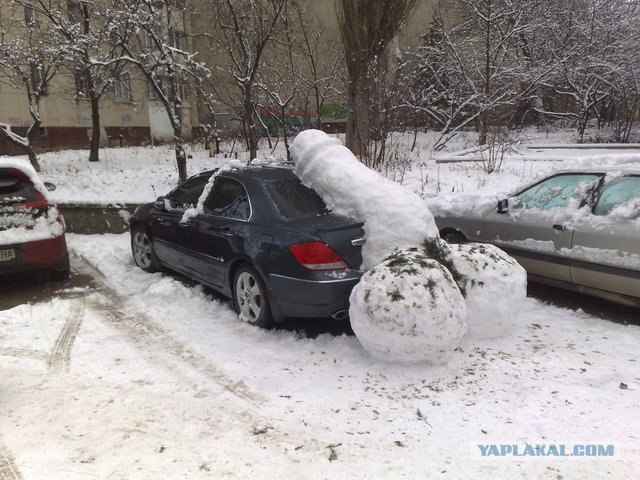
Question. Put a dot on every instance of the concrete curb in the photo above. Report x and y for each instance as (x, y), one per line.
(92, 218)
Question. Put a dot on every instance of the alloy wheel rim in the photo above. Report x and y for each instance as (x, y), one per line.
(142, 249)
(248, 297)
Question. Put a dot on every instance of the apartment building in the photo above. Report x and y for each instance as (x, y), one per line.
(130, 113)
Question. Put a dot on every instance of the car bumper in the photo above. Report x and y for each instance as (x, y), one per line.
(49, 254)
(300, 298)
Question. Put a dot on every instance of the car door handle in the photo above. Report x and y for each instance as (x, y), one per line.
(559, 228)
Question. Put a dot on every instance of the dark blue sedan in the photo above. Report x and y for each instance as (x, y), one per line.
(262, 239)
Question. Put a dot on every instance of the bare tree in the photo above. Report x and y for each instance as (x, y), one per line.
(368, 28)
(28, 61)
(483, 63)
(597, 77)
(320, 67)
(84, 30)
(161, 53)
(243, 30)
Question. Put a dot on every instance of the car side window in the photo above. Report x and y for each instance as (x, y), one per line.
(187, 194)
(228, 199)
(618, 194)
(558, 191)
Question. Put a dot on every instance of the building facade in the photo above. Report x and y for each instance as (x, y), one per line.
(130, 112)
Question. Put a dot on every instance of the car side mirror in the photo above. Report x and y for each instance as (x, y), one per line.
(49, 186)
(160, 204)
(503, 206)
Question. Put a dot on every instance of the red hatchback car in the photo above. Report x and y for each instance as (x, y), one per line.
(31, 228)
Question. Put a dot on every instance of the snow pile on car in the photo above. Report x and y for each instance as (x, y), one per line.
(34, 229)
(408, 309)
(414, 302)
(18, 223)
(394, 217)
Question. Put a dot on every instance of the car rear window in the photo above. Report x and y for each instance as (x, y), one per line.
(294, 200)
(16, 188)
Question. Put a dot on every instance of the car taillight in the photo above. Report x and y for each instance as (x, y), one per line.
(317, 256)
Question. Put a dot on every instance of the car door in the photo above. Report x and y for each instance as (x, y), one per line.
(164, 224)
(606, 249)
(537, 228)
(216, 234)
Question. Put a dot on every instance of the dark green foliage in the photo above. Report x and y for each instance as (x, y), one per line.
(395, 296)
(438, 250)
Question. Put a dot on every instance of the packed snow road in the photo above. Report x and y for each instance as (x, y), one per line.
(124, 374)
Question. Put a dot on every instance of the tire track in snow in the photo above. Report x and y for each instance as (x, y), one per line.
(161, 348)
(152, 337)
(8, 469)
(60, 356)
(23, 353)
(155, 342)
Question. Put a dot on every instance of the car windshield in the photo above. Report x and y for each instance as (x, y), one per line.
(566, 190)
(294, 200)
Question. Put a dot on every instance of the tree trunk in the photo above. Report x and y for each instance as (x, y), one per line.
(358, 128)
(26, 147)
(482, 128)
(318, 108)
(285, 134)
(252, 134)
(33, 158)
(181, 156)
(94, 152)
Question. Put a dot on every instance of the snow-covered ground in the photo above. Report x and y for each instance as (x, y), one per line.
(146, 376)
(138, 175)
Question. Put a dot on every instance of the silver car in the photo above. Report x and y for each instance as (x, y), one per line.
(574, 229)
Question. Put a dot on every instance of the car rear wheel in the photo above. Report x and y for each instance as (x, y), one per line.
(250, 297)
(453, 237)
(142, 250)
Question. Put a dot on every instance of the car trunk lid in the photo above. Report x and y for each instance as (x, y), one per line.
(344, 235)
(20, 202)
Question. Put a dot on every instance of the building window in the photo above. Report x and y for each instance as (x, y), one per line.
(149, 36)
(164, 83)
(183, 90)
(82, 86)
(122, 88)
(178, 40)
(29, 15)
(151, 90)
(74, 11)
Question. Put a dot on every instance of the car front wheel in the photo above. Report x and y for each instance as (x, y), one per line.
(250, 297)
(142, 250)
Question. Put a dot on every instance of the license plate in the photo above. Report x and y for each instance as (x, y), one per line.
(7, 254)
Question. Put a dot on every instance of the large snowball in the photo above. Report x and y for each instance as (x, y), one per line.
(394, 217)
(408, 309)
(495, 285)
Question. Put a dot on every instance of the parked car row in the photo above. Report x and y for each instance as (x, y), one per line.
(266, 241)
